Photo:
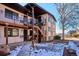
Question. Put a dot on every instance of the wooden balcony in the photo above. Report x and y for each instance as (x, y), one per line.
(3, 20)
(10, 18)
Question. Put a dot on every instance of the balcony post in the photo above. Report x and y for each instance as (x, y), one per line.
(6, 33)
(6, 47)
(37, 35)
(27, 19)
(33, 27)
(28, 26)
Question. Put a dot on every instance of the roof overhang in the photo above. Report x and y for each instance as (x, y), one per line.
(27, 9)
(38, 10)
(17, 7)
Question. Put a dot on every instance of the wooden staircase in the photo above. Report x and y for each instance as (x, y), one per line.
(41, 34)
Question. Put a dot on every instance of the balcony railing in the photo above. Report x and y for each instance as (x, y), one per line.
(36, 22)
(25, 22)
(17, 19)
(40, 22)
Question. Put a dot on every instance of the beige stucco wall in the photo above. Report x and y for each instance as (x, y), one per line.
(46, 29)
(2, 39)
(10, 39)
(51, 33)
(48, 24)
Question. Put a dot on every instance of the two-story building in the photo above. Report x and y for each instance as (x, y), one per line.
(16, 23)
(45, 21)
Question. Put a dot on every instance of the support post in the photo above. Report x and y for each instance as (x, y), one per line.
(33, 27)
(6, 33)
(28, 26)
(37, 35)
(6, 47)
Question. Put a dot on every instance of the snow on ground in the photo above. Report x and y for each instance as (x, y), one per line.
(43, 49)
(16, 51)
(48, 50)
(77, 51)
(40, 50)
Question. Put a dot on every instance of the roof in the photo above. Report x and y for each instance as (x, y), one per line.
(38, 10)
(25, 9)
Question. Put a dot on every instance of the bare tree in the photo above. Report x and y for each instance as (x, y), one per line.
(68, 15)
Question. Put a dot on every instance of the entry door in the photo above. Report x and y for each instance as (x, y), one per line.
(25, 35)
(39, 39)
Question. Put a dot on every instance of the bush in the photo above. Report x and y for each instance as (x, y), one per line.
(57, 37)
(76, 35)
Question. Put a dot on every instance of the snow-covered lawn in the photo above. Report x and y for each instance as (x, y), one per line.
(40, 50)
(43, 49)
(16, 51)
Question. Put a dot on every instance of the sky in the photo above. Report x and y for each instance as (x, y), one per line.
(50, 7)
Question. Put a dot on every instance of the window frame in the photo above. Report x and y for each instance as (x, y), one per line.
(11, 15)
(11, 32)
(49, 28)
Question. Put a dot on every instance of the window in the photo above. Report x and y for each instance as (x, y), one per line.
(9, 32)
(15, 32)
(49, 19)
(12, 32)
(15, 16)
(49, 28)
(43, 20)
(53, 23)
(8, 14)
(25, 20)
(11, 15)
(31, 21)
(49, 38)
